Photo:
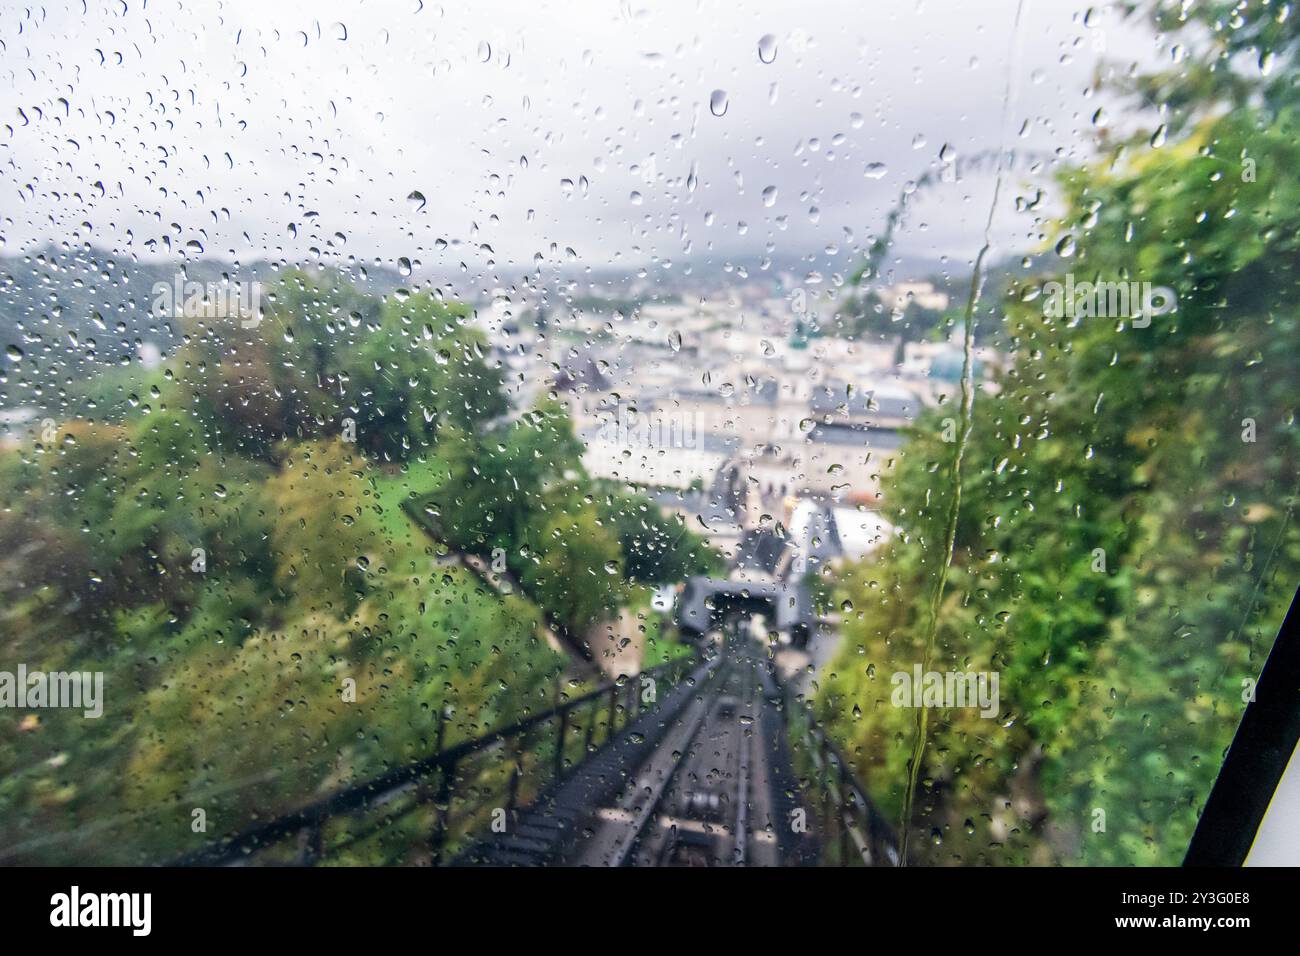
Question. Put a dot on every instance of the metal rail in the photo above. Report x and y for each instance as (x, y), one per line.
(850, 823)
(742, 783)
(650, 809)
(729, 837)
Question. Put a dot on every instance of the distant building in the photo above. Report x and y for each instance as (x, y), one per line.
(150, 355)
(15, 425)
(637, 456)
(922, 294)
(862, 532)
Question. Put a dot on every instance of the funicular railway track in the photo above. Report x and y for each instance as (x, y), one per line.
(717, 765)
(696, 801)
(717, 786)
(699, 793)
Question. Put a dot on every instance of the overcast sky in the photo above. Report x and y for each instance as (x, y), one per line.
(263, 128)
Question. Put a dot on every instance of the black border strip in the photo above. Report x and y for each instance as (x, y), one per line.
(1258, 757)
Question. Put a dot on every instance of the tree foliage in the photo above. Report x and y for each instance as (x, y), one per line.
(1125, 545)
(232, 551)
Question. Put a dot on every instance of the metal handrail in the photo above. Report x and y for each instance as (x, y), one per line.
(307, 822)
(860, 828)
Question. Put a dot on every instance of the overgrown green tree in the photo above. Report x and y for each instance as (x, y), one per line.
(1124, 544)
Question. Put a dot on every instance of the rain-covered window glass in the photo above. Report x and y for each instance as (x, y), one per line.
(657, 434)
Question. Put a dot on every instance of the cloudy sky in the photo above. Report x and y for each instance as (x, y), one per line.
(521, 133)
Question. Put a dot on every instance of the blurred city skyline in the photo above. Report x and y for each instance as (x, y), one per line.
(456, 144)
